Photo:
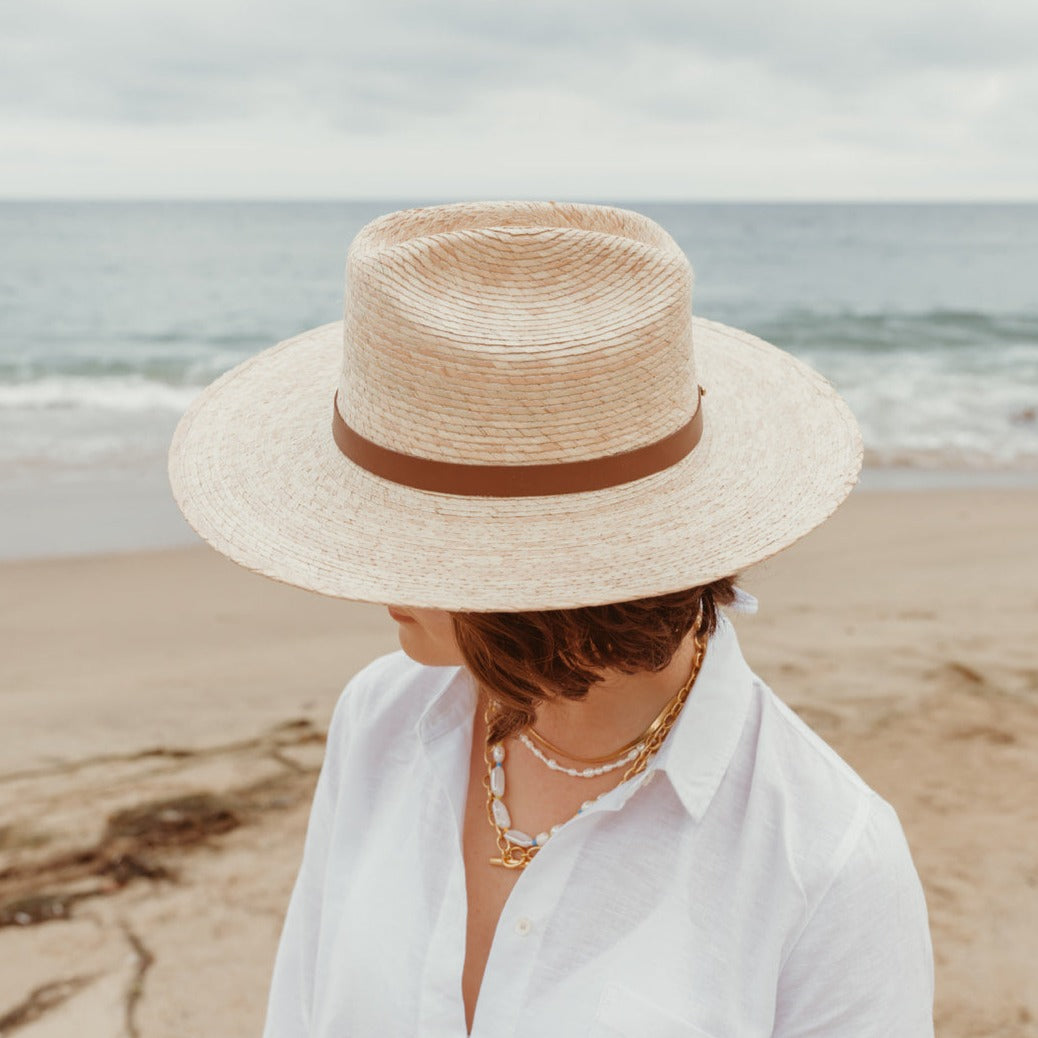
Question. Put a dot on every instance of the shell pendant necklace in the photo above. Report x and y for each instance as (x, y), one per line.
(517, 848)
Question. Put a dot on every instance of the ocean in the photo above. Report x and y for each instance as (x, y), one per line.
(113, 316)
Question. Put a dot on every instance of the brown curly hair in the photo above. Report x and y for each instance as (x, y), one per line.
(524, 659)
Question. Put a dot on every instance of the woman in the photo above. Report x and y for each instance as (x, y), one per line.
(567, 806)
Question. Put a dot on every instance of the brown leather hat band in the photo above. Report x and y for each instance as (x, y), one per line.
(562, 477)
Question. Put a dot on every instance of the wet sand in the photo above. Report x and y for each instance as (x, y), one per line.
(164, 716)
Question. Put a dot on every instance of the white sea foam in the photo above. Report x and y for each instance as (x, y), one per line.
(102, 393)
(926, 409)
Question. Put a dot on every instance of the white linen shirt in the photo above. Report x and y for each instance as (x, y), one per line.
(748, 883)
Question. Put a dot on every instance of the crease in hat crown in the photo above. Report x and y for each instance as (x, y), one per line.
(516, 333)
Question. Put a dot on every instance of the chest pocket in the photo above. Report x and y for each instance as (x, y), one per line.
(624, 1013)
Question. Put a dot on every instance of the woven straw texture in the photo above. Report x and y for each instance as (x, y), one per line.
(512, 333)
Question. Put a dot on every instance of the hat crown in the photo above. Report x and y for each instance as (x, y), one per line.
(516, 333)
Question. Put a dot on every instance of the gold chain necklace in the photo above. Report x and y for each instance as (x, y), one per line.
(609, 758)
(516, 848)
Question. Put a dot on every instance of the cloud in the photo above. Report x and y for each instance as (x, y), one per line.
(888, 82)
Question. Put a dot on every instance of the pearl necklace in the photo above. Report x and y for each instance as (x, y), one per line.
(600, 769)
(517, 848)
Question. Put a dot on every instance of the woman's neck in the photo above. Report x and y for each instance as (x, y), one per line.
(616, 709)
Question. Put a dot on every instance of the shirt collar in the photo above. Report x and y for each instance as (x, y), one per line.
(452, 703)
(700, 746)
(697, 750)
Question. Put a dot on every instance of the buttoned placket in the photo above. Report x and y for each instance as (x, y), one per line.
(446, 735)
(524, 919)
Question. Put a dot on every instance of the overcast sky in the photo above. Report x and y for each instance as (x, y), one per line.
(889, 99)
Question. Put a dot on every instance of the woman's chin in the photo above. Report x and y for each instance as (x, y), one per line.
(411, 645)
(426, 635)
(419, 647)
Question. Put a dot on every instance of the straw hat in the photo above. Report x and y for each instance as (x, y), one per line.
(517, 424)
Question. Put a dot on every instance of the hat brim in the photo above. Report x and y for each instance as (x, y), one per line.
(255, 471)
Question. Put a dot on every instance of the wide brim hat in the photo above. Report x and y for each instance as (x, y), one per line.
(518, 411)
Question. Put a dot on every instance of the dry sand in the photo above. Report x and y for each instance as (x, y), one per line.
(164, 714)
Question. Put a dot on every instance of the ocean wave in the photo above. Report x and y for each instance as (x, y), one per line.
(928, 330)
(949, 459)
(130, 392)
(189, 368)
(917, 406)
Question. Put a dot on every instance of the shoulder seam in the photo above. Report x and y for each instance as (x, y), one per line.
(844, 851)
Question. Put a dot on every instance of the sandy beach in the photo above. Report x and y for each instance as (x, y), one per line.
(164, 716)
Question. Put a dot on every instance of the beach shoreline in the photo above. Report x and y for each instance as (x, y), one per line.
(47, 515)
(165, 713)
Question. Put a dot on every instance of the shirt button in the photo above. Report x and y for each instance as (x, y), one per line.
(523, 926)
